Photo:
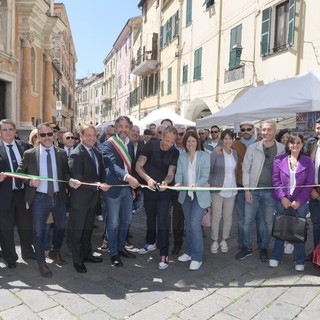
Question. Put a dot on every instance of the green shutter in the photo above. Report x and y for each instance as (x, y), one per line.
(169, 81)
(189, 12)
(176, 24)
(197, 64)
(235, 38)
(185, 74)
(291, 22)
(161, 37)
(169, 31)
(265, 32)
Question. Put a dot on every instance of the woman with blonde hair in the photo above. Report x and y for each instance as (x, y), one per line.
(33, 138)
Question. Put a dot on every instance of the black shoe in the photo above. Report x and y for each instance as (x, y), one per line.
(92, 259)
(264, 255)
(125, 253)
(128, 244)
(11, 264)
(80, 267)
(176, 249)
(116, 261)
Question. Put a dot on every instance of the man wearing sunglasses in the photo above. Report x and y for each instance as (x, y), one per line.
(215, 141)
(68, 142)
(12, 209)
(45, 196)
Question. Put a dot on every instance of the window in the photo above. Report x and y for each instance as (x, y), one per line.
(208, 3)
(197, 64)
(162, 88)
(64, 96)
(176, 24)
(189, 12)
(283, 24)
(235, 39)
(169, 30)
(185, 74)
(169, 84)
(161, 37)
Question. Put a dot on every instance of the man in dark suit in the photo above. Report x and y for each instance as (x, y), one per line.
(45, 196)
(12, 208)
(86, 165)
(118, 154)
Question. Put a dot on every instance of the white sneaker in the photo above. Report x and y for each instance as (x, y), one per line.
(184, 258)
(147, 247)
(224, 246)
(164, 262)
(288, 248)
(100, 217)
(299, 267)
(273, 263)
(214, 247)
(195, 265)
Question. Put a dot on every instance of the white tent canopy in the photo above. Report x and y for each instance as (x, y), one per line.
(278, 99)
(157, 115)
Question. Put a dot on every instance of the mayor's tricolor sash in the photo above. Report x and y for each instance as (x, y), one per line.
(122, 151)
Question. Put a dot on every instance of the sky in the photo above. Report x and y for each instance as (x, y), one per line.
(95, 26)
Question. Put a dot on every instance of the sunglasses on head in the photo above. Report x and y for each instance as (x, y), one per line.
(214, 131)
(245, 129)
(68, 138)
(181, 134)
(48, 134)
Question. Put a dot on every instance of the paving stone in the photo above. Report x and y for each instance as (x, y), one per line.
(95, 315)
(206, 308)
(57, 312)
(164, 309)
(74, 303)
(36, 299)
(252, 303)
(189, 297)
(19, 312)
(278, 310)
(311, 311)
(8, 300)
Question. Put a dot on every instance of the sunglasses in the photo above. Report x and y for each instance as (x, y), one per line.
(245, 129)
(181, 134)
(214, 131)
(48, 134)
(68, 138)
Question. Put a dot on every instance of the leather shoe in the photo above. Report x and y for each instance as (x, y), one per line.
(125, 253)
(176, 249)
(116, 261)
(11, 264)
(56, 257)
(92, 259)
(45, 271)
(80, 267)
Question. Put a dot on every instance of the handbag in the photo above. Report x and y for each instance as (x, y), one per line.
(290, 227)
(206, 219)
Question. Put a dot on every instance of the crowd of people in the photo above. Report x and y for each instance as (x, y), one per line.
(174, 172)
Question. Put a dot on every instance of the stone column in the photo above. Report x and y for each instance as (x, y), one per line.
(26, 84)
(47, 90)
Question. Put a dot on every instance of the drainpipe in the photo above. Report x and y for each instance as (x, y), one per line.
(219, 53)
(298, 60)
(179, 47)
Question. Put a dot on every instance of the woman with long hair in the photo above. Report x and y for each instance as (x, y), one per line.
(293, 172)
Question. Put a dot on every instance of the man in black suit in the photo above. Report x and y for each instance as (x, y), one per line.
(45, 196)
(12, 208)
(86, 165)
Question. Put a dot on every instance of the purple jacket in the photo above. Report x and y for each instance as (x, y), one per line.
(304, 176)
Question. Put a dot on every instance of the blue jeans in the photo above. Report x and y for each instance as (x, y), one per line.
(193, 214)
(262, 209)
(314, 206)
(299, 253)
(239, 204)
(118, 219)
(42, 205)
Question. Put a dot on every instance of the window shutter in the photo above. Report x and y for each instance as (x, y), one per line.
(176, 24)
(161, 37)
(197, 64)
(265, 32)
(235, 38)
(185, 74)
(291, 22)
(189, 12)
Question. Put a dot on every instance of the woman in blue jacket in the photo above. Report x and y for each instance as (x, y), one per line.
(193, 171)
(290, 171)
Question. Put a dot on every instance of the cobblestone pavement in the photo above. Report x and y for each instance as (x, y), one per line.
(223, 288)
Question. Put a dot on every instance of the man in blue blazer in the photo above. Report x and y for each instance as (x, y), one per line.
(12, 209)
(118, 154)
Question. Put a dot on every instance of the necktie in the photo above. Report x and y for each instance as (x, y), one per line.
(69, 151)
(93, 158)
(14, 163)
(50, 174)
